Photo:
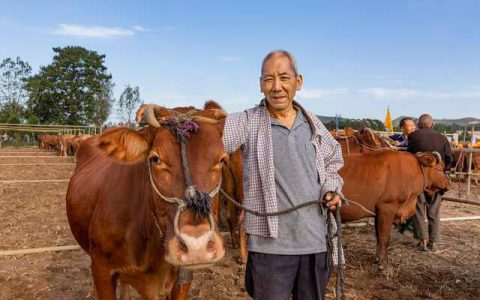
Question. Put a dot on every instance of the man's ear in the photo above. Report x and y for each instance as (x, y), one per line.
(299, 81)
(124, 144)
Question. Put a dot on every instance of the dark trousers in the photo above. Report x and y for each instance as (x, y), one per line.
(427, 207)
(276, 277)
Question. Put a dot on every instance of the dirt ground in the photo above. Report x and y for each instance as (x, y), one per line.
(33, 215)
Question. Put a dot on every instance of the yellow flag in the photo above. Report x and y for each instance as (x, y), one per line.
(388, 121)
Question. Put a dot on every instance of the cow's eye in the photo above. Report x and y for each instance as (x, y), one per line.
(155, 159)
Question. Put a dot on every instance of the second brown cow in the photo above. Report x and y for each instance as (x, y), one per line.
(387, 184)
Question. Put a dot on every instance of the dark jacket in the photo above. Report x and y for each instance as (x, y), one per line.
(399, 137)
(426, 139)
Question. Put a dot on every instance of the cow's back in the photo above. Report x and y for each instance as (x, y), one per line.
(379, 178)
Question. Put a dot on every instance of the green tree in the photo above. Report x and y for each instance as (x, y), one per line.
(13, 94)
(74, 89)
(11, 112)
(128, 102)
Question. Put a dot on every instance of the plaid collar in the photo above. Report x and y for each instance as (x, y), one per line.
(313, 128)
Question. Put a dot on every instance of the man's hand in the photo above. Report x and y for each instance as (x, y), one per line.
(332, 200)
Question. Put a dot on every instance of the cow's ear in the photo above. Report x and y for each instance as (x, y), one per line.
(124, 144)
(427, 160)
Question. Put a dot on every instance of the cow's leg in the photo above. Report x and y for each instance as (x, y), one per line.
(180, 291)
(385, 219)
(104, 281)
(233, 224)
(243, 238)
(377, 254)
(182, 285)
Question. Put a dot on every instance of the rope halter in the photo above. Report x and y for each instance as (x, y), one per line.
(183, 126)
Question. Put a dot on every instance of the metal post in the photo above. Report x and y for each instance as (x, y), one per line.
(470, 159)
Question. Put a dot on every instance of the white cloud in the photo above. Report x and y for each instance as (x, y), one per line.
(228, 58)
(92, 31)
(140, 28)
(322, 93)
(412, 93)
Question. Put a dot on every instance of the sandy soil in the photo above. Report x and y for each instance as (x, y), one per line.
(33, 215)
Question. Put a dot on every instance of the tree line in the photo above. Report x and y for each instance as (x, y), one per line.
(77, 89)
(74, 89)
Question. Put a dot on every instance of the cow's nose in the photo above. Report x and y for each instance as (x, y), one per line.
(196, 245)
(195, 238)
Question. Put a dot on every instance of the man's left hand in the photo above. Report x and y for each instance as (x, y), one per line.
(332, 204)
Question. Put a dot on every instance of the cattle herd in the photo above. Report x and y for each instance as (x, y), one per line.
(65, 144)
(146, 206)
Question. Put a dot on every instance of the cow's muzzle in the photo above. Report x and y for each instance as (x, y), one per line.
(194, 244)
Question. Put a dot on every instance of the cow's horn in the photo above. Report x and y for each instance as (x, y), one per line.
(438, 156)
(205, 119)
(419, 154)
(149, 117)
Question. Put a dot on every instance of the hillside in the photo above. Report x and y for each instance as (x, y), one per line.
(460, 122)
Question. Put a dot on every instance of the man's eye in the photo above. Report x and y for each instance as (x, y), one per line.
(284, 78)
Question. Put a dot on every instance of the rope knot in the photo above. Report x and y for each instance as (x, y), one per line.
(198, 201)
(183, 126)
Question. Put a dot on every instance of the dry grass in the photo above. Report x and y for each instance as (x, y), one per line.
(33, 215)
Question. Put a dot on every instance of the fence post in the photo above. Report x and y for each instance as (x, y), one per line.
(470, 160)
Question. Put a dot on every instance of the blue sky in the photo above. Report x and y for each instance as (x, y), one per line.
(357, 57)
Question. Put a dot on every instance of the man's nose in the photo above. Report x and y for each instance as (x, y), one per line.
(277, 86)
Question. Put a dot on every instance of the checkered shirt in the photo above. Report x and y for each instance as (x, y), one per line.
(252, 129)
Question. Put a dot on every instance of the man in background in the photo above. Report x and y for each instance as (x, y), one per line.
(407, 125)
(427, 140)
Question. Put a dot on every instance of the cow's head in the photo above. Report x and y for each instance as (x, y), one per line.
(367, 137)
(434, 178)
(182, 187)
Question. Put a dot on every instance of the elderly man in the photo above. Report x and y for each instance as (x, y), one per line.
(425, 139)
(289, 158)
(407, 125)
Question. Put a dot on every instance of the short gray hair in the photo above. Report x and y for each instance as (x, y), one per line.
(293, 61)
(425, 121)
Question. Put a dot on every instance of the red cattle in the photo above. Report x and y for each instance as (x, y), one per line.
(75, 143)
(48, 142)
(129, 206)
(387, 184)
(63, 143)
(364, 140)
(233, 187)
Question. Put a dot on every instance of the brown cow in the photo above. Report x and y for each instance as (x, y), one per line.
(232, 185)
(118, 201)
(48, 142)
(75, 143)
(387, 183)
(63, 142)
(364, 140)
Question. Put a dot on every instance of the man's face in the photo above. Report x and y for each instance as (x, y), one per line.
(279, 83)
(408, 127)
